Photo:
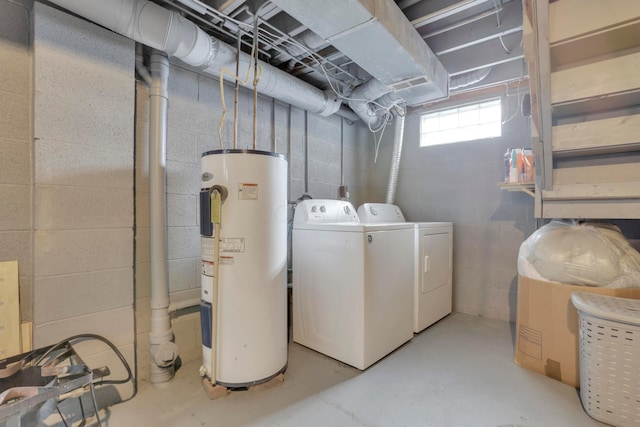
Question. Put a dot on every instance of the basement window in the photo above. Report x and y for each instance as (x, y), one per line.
(466, 123)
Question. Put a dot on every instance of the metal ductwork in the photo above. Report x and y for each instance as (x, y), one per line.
(168, 31)
(377, 36)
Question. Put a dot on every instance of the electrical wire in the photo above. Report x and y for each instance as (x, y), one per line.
(68, 341)
(224, 105)
(495, 5)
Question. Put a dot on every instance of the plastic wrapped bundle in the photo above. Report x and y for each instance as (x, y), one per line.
(576, 253)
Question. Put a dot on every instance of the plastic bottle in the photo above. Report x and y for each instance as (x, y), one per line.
(520, 164)
(507, 164)
(513, 172)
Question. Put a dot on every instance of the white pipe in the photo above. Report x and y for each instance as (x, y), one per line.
(163, 350)
(168, 31)
(395, 159)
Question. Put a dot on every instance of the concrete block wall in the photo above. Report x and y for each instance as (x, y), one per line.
(458, 183)
(15, 145)
(83, 185)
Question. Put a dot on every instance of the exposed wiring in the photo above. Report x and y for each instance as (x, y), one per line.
(98, 338)
(224, 105)
(495, 4)
(377, 143)
(519, 106)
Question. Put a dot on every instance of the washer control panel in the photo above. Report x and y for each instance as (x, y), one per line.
(317, 211)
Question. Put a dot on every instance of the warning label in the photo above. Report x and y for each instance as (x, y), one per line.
(247, 191)
(226, 260)
(232, 244)
(207, 246)
(207, 268)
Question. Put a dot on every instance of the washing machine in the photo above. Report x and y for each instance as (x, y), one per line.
(433, 252)
(352, 283)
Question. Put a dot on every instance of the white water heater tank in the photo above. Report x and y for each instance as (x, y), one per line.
(251, 345)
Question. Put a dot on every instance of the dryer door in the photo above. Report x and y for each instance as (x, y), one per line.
(434, 266)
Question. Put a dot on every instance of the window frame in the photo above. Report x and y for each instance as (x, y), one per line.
(448, 135)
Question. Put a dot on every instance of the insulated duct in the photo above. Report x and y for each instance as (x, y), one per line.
(377, 36)
(168, 31)
(163, 350)
(398, 137)
(360, 102)
(468, 79)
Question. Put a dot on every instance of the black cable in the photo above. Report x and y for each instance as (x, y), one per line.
(112, 346)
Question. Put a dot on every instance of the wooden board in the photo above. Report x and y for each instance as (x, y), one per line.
(599, 45)
(27, 336)
(608, 209)
(599, 191)
(9, 310)
(608, 77)
(569, 19)
(611, 135)
(217, 391)
(597, 173)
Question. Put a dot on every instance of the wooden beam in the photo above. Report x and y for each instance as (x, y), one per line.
(541, 24)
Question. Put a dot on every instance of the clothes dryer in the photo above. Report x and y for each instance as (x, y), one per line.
(433, 253)
(352, 283)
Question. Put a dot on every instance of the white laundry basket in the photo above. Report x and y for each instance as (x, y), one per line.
(609, 330)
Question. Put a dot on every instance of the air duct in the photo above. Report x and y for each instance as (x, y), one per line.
(398, 138)
(168, 31)
(468, 79)
(377, 36)
(360, 102)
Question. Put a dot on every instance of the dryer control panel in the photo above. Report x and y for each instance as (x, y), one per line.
(319, 211)
(380, 212)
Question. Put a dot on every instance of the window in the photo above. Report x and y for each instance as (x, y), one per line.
(470, 122)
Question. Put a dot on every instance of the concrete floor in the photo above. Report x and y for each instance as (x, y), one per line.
(459, 372)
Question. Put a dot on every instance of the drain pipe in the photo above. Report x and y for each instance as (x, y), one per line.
(163, 351)
(398, 137)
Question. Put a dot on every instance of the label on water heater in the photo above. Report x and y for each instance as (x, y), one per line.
(226, 260)
(207, 247)
(232, 244)
(207, 268)
(247, 191)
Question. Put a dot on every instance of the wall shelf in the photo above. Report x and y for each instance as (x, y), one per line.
(526, 187)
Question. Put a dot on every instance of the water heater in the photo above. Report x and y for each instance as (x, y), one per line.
(250, 262)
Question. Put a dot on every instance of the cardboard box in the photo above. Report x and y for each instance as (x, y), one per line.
(547, 327)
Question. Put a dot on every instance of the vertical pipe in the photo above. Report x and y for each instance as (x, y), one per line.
(255, 82)
(163, 351)
(289, 144)
(274, 148)
(237, 87)
(341, 151)
(395, 159)
(306, 152)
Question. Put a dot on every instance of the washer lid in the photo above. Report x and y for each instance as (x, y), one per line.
(354, 227)
(380, 212)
